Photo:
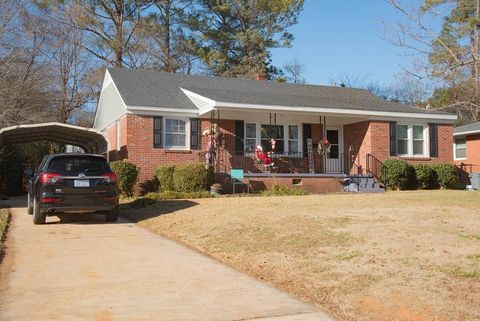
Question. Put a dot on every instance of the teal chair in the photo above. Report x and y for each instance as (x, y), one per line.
(237, 176)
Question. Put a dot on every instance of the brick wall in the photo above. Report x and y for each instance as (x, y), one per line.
(472, 163)
(141, 151)
(373, 137)
(136, 145)
(314, 185)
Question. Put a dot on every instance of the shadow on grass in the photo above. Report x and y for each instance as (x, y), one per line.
(137, 213)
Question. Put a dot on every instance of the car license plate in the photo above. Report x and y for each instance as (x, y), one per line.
(81, 183)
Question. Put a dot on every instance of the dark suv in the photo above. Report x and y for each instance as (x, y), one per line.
(72, 183)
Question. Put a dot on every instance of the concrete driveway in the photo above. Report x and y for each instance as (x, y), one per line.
(81, 268)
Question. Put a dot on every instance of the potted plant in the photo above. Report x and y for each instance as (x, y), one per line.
(216, 189)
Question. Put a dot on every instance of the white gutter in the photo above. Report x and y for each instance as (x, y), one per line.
(339, 111)
(470, 132)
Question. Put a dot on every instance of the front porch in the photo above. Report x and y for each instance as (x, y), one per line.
(297, 158)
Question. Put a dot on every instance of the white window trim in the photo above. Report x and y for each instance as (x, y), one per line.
(251, 138)
(187, 133)
(288, 139)
(258, 138)
(426, 140)
(455, 149)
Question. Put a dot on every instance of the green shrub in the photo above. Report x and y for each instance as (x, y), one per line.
(445, 175)
(397, 174)
(423, 176)
(192, 177)
(164, 175)
(127, 176)
(278, 190)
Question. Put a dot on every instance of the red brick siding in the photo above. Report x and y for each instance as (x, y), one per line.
(141, 151)
(364, 137)
(472, 163)
(373, 137)
(314, 185)
(358, 136)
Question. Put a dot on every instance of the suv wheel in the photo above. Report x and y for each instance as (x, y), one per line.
(38, 218)
(111, 216)
(29, 205)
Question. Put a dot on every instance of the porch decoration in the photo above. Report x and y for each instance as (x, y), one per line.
(265, 157)
(216, 189)
(324, 144)
(324, 147)
(213, 143)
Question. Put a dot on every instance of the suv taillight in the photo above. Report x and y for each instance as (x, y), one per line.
(49, 178)
(110, 177)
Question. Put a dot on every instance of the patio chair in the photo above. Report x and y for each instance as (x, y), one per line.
(237, 176)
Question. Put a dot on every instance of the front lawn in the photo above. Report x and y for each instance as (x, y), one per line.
(398, 256)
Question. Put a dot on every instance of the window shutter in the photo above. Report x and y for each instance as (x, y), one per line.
(393, 138)
(239, 137)
(157, 132)
(433, 134)
(195, 140)
(307, 133)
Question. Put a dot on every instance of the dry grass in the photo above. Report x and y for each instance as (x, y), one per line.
(398, 256)
(4, 221)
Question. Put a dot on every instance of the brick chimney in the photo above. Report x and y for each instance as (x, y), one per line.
(261, 76)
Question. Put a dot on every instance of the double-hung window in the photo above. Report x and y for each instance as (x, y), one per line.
(411, 140)
(175, 133)
(460, 148)
(250, 137)
(418, 141)
(293, 140)
(402, 139)
(276, 132)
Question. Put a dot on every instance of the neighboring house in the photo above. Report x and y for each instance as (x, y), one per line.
(153, 118)
(466, 148)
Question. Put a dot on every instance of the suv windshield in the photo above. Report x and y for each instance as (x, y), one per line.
(74, 165)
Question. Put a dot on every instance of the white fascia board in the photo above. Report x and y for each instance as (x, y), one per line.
(159, 111)
(471, 132)
(339, 111)
(208, 104)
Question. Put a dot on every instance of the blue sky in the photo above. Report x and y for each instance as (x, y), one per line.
(343, 37)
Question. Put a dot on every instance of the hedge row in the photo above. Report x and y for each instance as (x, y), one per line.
(400, 175)
(184, 178)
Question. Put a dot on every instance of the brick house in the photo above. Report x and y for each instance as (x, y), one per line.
(466, 149)
(322, 134)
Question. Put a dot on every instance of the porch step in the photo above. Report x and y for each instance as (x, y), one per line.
(362, 184)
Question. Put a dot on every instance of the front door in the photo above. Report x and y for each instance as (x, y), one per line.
(334, 159)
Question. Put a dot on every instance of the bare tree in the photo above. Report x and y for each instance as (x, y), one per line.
(294, 71)
(449, 58)
(23, 72)
(110, 26)
(405, 89)
(70, 68)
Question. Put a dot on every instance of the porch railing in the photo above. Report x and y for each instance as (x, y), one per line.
(376, 168)
(294, 163)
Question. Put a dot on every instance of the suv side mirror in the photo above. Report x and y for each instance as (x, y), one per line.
(28, 173)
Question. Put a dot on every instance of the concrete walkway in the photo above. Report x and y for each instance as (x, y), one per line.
(82, 268)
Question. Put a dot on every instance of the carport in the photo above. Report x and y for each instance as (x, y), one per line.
(89, 139)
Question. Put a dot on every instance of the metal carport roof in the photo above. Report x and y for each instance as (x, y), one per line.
(89, 139)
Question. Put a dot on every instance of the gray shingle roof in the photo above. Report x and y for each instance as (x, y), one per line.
(473, 127)
(159, 89)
